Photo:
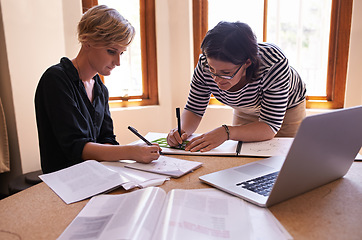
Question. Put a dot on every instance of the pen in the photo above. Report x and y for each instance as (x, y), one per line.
(178, 122)
(238, 148)
(139, 135)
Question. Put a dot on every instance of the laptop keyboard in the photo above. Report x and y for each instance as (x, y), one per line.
(261, 185)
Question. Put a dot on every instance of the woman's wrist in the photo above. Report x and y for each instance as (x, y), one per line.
(226, 128)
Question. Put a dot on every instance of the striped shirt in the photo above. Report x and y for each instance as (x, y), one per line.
(276, 87)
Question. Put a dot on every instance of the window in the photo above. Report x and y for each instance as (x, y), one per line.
(313, 34)
(134, 83)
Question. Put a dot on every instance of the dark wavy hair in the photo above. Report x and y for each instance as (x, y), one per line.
(232, 42)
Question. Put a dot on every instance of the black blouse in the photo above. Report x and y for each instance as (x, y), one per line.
(66, 118)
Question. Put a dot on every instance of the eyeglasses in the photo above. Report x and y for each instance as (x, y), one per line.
(226, 77)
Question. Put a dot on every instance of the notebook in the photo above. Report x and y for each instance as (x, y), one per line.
(323, 150)
(275, 146)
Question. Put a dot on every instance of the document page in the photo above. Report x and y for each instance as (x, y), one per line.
(211, 214)
(125, 216)
(136, 178)
(272, 147)
(183, 214)
(170, 166)
(90, 178)
(82, 181)
(193, 215)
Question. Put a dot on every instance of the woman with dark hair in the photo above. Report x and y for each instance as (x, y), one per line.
(255, 79)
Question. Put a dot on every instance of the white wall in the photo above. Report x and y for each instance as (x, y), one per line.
(354, 77)
(32, 39)
(175, 66)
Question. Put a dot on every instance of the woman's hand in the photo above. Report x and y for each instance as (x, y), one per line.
(189, 123)
(145, 153)
(207, 141)
(174, 139)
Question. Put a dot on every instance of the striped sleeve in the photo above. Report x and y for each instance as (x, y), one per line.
(281, 84)
(275, 92)
(199, 94)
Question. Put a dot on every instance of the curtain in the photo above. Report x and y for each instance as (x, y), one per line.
(4, 144)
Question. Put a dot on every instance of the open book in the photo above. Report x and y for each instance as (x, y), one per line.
(90, 178)
(273, 147)
(181, 214)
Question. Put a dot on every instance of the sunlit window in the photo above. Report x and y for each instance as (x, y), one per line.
(126, 80)
(246, 11)
(301, 29)
(314, 35)
(134, 82)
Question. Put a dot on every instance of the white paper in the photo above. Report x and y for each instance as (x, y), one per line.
(201, 216)
(211, 214)
(82, 181)
(272, 147)
(170, 166)
(124, 216)
(136, 178)
(183, 214)
(90, 178)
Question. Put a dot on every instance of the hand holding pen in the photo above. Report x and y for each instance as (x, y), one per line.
(178, 116)
(133, 130)
(139, 135)
(174, 137)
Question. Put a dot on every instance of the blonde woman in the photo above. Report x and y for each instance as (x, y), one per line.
(71, 102)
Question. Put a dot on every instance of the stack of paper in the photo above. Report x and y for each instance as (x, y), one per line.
(90, 178)
(170, 166)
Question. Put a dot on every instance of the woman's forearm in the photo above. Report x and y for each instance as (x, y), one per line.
(105, 152)
(256, 131)
(189, 122)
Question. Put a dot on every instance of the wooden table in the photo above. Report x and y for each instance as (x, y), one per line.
(333, 211)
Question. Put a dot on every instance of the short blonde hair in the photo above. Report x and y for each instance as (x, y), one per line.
(105, 26)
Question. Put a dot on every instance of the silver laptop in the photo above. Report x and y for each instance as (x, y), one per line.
(323, 150)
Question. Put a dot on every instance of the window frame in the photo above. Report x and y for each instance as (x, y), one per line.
(338, 53)
(149, 58)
